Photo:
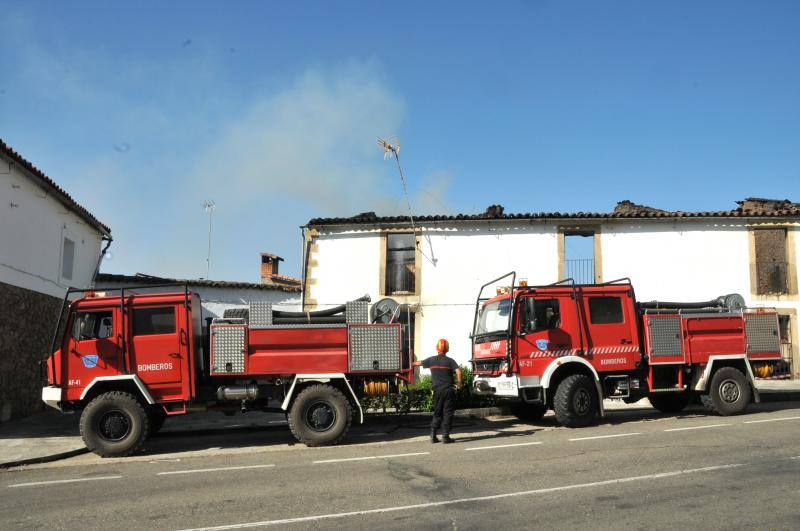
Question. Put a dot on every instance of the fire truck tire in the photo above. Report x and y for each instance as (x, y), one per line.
(670, 402)
(528, 412)
(729, 392)
(114, 424)
(320, 416)
(575, 401)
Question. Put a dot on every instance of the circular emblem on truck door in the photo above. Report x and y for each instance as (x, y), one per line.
(90, 360)
(542, 344)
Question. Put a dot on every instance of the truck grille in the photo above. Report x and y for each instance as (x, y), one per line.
(488, 365)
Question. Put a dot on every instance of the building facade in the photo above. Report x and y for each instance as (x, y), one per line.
(437, 265)
(48, 242)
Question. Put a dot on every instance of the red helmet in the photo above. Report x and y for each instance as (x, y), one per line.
(442, 346)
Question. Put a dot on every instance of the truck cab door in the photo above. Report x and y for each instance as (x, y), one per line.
(545, 325)
(612, 336)
(159, 350)
(91, 349)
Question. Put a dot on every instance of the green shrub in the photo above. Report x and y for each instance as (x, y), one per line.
(418, 396)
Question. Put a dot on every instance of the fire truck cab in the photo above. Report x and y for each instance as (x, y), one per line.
(566, 347)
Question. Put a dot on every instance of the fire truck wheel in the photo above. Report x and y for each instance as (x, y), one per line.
(320, 416)
(528, 412)
(729, 392)
(157, 418)
(670, 402)
(575, 401)
(114, 424)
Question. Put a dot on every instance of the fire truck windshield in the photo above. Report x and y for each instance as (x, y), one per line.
(493, 318)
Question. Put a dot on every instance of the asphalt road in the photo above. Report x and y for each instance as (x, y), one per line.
(638, 469)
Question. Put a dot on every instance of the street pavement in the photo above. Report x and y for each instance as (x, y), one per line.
(637, 468)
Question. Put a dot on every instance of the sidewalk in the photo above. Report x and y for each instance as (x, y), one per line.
(50, 435)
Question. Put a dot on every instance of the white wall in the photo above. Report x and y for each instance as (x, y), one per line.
(348, 265)
(680, 261)
(31, 236)
(467, 257)
(683, 260)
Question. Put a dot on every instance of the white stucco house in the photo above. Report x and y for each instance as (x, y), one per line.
(437, 265)
(48, 242)
(216, 295)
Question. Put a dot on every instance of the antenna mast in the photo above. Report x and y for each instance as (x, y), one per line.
(392, 147)
(209, 206)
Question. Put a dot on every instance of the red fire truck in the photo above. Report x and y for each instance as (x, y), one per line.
(566, 347)
(132, 359)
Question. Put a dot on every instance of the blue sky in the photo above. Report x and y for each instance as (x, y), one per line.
(272, 111)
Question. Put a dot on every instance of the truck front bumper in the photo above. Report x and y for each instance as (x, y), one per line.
(51, 395)
(503, 385)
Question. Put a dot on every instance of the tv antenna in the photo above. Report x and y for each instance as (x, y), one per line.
(208, 207)
(390, 147)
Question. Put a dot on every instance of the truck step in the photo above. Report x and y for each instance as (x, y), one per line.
(668, 389)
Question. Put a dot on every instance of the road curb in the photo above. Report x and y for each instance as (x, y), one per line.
(44, 459)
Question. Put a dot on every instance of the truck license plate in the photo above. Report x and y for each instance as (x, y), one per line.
(506, 385)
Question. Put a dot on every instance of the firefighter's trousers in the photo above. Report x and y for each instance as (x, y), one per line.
(444, 406)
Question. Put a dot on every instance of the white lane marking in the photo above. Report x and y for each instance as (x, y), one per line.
(369, 457)
(57, 481)
(165, 461)
(196, 470)
(770, 420)
(699, 427)
(547, 490)
(604, 436)
(502, 446)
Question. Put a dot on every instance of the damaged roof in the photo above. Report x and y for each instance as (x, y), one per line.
(49, 184)
(750, 207)
(142, 279)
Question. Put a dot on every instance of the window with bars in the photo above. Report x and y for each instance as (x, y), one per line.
(771, 264)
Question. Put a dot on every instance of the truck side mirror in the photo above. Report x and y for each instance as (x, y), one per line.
(529, 316)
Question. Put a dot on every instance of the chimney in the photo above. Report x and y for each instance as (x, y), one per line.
(269, 267)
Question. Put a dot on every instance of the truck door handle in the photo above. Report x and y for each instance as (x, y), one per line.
(174, 355)
(624, 341)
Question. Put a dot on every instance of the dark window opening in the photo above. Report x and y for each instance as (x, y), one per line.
(93, 325)
(785, 328)
(605, 310)
(150, 321)
(67, 259)
(771, 263)
(579, 256)
(407, 321)
(400, 263)
(542, 314)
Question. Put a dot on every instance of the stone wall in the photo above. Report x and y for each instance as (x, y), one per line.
(27, 319)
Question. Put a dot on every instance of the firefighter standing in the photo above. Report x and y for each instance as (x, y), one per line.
(444, 395)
